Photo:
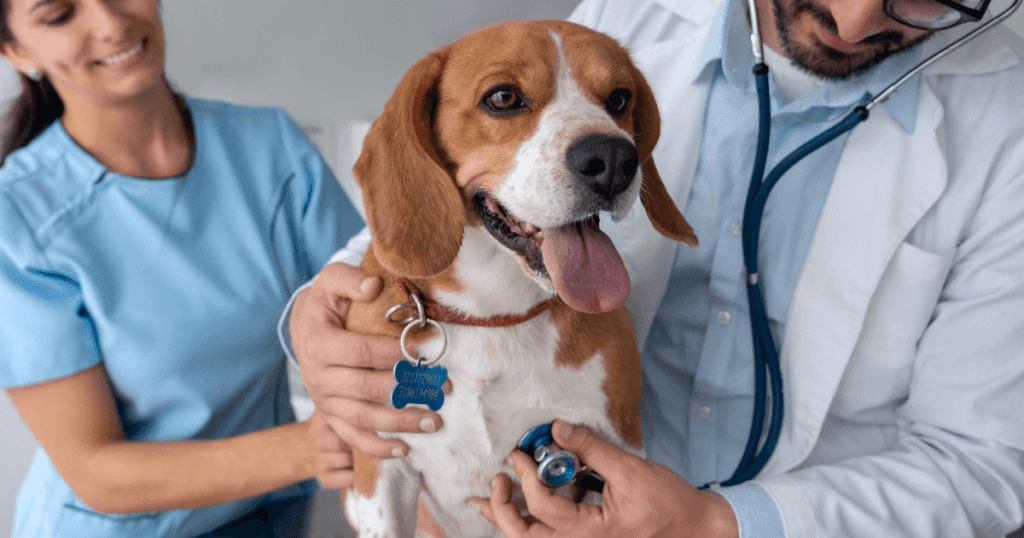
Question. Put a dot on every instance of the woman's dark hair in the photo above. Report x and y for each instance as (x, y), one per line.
(30, 112)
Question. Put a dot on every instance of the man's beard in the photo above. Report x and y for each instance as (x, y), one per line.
(827, 62)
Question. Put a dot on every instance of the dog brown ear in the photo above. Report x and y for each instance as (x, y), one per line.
(659, 205)
(413, 206)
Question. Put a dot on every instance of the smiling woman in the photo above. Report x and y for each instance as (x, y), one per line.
(148, 243)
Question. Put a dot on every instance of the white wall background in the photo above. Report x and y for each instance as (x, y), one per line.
(327, 62)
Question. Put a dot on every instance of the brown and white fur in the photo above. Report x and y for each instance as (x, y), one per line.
(435, 166)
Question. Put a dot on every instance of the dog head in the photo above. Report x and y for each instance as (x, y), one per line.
(531, 130)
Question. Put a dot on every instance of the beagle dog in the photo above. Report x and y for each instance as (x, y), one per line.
(483, 181)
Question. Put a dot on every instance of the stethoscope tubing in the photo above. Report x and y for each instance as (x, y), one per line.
(943, 52)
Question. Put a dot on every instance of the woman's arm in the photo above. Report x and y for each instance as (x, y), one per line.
(76, 421)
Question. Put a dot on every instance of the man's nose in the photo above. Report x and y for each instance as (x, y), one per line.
(858, 19)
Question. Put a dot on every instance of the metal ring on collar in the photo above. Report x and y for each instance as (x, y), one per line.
(420, 362)
(389, 315)
(420, 321)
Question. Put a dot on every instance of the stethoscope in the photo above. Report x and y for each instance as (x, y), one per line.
(766, 356)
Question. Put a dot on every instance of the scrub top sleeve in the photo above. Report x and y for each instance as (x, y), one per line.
(45, 331)
(328, 218)
(352, 254)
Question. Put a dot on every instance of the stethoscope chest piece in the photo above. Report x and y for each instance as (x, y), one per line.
(555, 467)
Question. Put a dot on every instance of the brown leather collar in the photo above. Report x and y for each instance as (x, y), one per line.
(439, 312)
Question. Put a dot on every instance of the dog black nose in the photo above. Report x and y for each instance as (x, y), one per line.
(605, 163)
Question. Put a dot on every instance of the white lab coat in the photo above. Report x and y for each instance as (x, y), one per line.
(903, 358)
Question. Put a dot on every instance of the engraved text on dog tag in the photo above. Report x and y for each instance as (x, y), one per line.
(419, 385)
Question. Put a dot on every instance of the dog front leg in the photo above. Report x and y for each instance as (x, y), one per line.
(383, 503)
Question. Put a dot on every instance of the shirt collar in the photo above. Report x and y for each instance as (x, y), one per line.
(729, 43)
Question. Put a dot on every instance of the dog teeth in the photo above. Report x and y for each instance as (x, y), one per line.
(493, 207)
(513, 224)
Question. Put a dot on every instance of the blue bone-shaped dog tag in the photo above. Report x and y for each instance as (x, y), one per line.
(419, 385)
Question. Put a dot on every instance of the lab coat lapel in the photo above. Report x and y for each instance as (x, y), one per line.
(670, 68)
(885, 183)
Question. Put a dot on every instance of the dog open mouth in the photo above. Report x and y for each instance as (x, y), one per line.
(579, 259)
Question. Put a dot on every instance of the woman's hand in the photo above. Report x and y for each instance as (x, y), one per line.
(348, 375)
(330, 457)
(641, 498)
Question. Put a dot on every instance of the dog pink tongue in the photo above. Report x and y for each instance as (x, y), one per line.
(585, 267)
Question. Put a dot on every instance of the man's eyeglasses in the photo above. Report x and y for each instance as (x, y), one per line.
(935, 14)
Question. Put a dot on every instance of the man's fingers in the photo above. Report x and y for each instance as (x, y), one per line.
(556, 511)
(534, 491)
(592, 450)
(483, 506)
(504, 515)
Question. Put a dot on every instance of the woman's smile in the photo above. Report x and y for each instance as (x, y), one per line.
(124, 56)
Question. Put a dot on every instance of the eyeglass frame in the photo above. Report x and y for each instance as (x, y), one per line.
(966, 14)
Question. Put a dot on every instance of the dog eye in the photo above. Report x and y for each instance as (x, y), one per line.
(617, 101)
(503, 100)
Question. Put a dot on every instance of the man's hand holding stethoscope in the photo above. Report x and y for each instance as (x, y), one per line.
(640, 498)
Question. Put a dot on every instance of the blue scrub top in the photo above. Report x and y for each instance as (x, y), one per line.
(174, 285)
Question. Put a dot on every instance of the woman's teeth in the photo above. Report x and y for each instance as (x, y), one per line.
(123, 56)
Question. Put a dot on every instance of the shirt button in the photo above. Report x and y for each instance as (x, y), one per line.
(736, 227)
(704, 412)
(724, 317)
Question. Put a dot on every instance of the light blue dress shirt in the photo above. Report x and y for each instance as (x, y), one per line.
(698, 359)
(174, 286)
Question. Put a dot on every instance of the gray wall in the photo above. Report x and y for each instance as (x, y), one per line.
(329, 63)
